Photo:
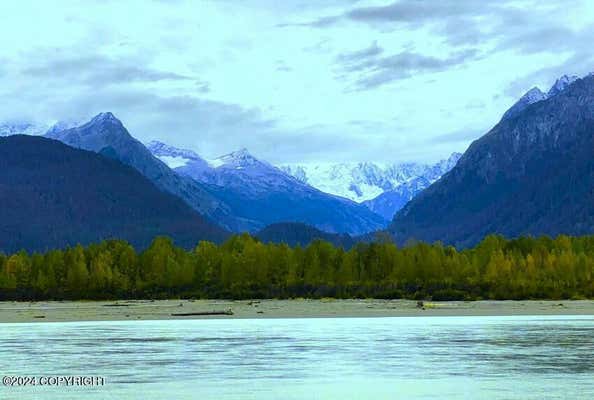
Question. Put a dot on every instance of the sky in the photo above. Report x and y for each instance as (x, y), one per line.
(300, 81)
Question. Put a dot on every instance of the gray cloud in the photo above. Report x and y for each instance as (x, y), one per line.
(357, 56)
(98, 70)
(514, 25)
(322, 22)
(410, 12)
(415, 11)
(496, 26)
(575, 57)
(94, 64)
(373, 71)
(202, 86)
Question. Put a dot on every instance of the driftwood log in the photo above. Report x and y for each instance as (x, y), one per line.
(188, 314)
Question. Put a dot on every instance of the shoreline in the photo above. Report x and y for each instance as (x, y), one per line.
(123, 310)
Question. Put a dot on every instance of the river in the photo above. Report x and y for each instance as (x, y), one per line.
(523, 357)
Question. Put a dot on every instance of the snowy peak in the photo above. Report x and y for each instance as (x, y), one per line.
(561, 84)
(21, 128)
(35, 129)
(532, 96)
(175, 157)
(237, 159)
(162, 149)
(60, 126)
(105, 119)
(103, 130)
(99, 125)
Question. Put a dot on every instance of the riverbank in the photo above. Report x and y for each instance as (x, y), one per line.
(53, 311)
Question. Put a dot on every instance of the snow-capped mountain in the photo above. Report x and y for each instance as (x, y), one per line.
(33, 128)
(390, 201)
(535, 95)
(22, 128)
(384, 189)
(259, 194)
(365, 181)
(172, 156)
(184, 160)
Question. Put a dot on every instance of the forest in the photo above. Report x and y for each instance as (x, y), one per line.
(243, 267)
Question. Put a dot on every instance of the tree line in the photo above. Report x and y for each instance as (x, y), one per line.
(243, 267)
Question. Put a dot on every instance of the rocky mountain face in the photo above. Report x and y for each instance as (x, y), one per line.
(532, 174)
(55, 196)
(259, 194)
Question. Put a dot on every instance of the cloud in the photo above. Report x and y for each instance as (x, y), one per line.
(415, 11)
(180, 73)
(512, 24)
(97, 70)
(373, 70)
(321, 22)
(573, 52)
(410, 12)
(356, 56)
(202, 86)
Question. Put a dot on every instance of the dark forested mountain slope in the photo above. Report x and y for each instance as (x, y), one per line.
(297, 234)
(53, 195)
(533, 173)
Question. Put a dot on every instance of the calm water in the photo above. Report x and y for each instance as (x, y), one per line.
(347, 358)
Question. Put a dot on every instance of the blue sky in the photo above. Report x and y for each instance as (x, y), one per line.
(292, 81)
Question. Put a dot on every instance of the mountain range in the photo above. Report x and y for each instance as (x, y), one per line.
(243, 193)
(33, 128)
(384, 189)
(364, 181)
(259, 194)
(532, 174)
(239, 192)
